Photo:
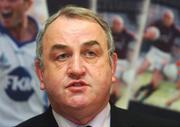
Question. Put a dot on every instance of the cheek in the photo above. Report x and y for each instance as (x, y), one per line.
(16, 19)
(102, 76)
(102, 69)
(18, 12)
(54, 79)
(54, 86)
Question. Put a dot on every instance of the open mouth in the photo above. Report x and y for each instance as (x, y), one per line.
(6, 14)
(77, 86)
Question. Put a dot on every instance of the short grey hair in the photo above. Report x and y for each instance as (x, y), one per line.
(74, 12)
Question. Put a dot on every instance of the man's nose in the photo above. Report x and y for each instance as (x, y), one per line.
(76, 68)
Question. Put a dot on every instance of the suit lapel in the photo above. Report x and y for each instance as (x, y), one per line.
(119, 117)
(49, 120)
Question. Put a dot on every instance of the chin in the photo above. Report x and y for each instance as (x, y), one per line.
(79, 106)
(79, 102)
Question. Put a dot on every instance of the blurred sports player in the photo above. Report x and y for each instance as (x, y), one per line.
(150, 36)
(20, 95)
(159, 54)
(176, 95)
(122, 39)
(172, 72)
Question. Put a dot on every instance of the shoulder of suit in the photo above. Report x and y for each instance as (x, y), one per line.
(45, 119)
(129, 118)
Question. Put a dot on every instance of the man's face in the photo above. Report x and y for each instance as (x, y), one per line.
(77, 70)
(117, 25)
(168, 19)
(12, 12)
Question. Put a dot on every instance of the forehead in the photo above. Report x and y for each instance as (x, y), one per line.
(74, 30)
(168, 14)
(14, 1)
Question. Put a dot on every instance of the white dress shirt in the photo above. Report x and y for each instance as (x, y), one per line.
(101, 120)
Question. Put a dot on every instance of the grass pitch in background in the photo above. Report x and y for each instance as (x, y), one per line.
(165, 91)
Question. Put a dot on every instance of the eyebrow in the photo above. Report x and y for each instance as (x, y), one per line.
(58, 47)
(91, 43)
(62, 46)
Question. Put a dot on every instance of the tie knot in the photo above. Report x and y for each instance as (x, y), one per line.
(86, 126)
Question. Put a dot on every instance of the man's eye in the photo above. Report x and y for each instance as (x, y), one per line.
(62, 57)
(90, 54)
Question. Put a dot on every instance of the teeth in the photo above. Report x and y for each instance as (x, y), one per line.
(6, 14)
(6, 11)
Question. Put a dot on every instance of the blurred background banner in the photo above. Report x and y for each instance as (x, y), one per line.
(39, 10)
(146, 34)
(21, 97)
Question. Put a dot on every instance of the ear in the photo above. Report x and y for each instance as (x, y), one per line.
(113, 65)
(39, 73)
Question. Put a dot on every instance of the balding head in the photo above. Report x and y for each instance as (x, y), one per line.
(117, 24)
(168, 17)
(152, 33)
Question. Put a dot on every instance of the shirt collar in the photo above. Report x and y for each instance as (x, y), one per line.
(101, 120)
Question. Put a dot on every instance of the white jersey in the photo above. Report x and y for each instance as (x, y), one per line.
(158, 58)
(20, 95)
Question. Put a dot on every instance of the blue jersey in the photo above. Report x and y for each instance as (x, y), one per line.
(20, 96)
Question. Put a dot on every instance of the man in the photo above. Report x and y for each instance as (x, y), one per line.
(122, 37)
(122, 40)
(174, 73)
(20, 96)
(151, 35)
(75, 64)
(160, 52)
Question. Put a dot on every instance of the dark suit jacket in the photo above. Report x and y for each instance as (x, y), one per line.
(119, 118)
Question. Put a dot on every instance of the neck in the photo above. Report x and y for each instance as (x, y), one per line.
(80, 116)
(23, 31)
